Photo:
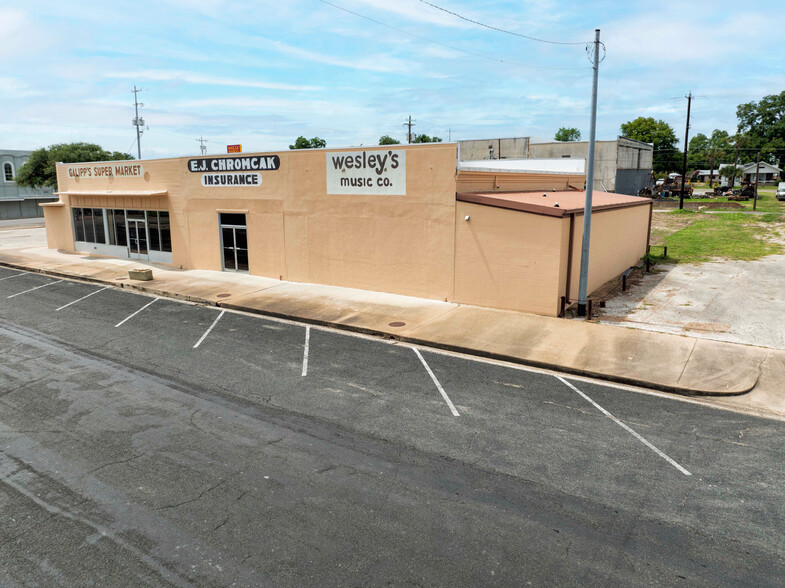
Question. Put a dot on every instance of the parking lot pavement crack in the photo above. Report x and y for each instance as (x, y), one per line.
(198, 497)
(25, 385)
(116, 462)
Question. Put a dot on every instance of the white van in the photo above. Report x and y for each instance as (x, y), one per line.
(781, 191)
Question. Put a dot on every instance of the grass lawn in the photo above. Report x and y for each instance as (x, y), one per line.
(694, 237)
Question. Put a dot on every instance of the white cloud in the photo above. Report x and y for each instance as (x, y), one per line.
(193, 78)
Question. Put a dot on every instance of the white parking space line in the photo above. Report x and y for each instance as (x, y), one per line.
(82, 298)
(137, 312)
(435, 381)
(9, 277)
(626, 428)
(36, 288)
(305, 350)
(207, 332)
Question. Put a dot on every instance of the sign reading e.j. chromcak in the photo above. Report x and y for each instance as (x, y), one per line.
(233, 171)
(372, 172)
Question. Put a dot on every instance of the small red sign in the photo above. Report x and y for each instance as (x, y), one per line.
(234, 148)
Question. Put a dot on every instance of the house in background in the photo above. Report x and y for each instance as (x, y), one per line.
(769, 174)
(705, 176)
(15, 201)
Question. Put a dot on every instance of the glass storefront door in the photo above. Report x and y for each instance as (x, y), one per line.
(234, 242)
(137, 235)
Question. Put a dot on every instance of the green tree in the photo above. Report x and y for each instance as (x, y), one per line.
(763, 123)
(303, 143)
(666, 156)
(388, 140)
(39, 170)
(425, 139)
(567, 134)
(732, 172)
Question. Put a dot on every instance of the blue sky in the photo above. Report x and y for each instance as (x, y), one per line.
(262, 73)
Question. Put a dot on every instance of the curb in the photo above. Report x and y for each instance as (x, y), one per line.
(682, 391)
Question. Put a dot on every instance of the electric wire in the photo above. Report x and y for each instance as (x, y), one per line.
(428, 40)
(478, 23)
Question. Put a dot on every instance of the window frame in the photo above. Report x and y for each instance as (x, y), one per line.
(13, 172)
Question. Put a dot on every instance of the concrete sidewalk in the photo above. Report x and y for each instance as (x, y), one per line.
(654, 360)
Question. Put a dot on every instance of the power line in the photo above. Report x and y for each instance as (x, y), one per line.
(428, 40)
(503, 30)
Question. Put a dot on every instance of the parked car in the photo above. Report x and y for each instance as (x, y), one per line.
(781, 191)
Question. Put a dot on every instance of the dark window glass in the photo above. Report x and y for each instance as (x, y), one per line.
(78, 225)
(152, 229)
(166, 237)
(241, 238)
(242, 260)
(89, 231)
(110, 227)
(98, 221)
(9, 172)
(135, 214)
(232, 219)
(119, 228)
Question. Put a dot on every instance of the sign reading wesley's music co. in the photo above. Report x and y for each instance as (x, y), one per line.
(367, 172)
(233, 171)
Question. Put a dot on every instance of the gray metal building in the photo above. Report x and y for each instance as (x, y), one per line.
(623, 166)
(15, 201)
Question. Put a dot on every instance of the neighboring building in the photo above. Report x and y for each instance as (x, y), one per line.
(15, 201)
(706, 175)
(769, 174)
(403, 219)
(623, 166)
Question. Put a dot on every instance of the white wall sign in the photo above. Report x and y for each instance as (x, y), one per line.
(374, 172)
(251, 179)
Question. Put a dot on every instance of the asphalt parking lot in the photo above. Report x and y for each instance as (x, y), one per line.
(147, 441)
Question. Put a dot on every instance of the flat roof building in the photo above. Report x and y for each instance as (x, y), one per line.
(16, 201)
(403, 219)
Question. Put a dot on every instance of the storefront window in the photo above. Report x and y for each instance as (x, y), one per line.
(78, 224)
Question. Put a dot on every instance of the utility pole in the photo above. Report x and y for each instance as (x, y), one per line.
(686, 147)
(202, 146)
(449, 135)
(138, 123)
(735, 164)
(757, 180)
(409, 124)
(584, 275)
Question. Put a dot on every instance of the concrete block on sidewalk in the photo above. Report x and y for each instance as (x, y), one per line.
(143, 274)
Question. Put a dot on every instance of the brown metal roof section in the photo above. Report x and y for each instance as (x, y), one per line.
(569, 202)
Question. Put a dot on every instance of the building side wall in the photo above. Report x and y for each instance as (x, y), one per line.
(475, 181)
(508, 259)
(604, 158)
(59, 229)
(511, 148)
(618, 240)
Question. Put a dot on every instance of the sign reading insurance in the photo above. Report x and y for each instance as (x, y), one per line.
(233, 171)
(374, 172)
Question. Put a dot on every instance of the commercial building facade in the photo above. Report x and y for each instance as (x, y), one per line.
(16, 201)
(405, 220)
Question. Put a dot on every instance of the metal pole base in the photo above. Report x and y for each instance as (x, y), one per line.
(581, 309)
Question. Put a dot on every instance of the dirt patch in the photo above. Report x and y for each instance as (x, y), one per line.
(663, 224)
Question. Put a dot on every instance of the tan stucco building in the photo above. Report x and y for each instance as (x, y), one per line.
(400, 219)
